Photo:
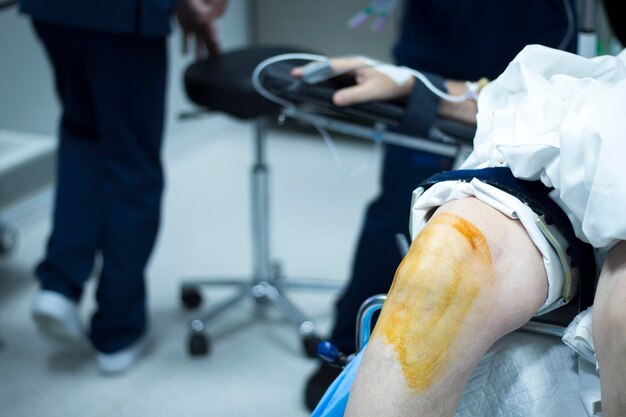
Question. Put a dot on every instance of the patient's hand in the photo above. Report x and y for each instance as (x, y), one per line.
(371, 85)
(374, 85)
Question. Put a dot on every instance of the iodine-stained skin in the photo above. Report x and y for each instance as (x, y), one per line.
(432, 294)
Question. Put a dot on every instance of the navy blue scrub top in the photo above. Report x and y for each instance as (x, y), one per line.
(149, 18)
(470, 39)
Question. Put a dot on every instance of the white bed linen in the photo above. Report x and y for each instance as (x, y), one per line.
(561, 119)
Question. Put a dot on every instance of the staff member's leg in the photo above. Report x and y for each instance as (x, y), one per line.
(609, 331)
(377, 255)
(72, 246)
(128, 78)
(471, 276)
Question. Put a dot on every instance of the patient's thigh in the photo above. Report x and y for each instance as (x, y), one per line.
(519, 285)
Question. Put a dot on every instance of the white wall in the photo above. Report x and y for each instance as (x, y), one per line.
(27, 100)
(321, 25)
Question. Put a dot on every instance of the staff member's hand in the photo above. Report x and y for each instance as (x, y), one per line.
(371, 85)
(197, 19)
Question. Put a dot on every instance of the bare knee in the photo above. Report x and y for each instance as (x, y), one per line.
(465, 268)
(492, 253)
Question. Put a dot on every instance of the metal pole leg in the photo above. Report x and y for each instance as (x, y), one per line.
(260, 207)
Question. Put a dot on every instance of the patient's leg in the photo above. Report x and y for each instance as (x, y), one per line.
(609, 332)
(471, 276)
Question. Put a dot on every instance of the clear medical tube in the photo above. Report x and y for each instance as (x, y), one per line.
(256, 78)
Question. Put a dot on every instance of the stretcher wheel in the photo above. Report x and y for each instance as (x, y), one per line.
(277, 270)
(199, 344)
(191, 297)
(310, 344)
(262, 302)
(8, 238)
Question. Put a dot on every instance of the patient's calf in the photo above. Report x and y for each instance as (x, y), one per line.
(609, 331)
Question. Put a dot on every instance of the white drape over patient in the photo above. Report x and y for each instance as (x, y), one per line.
(559, 118)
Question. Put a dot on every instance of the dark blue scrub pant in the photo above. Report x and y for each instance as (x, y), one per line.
(110, 180)
(377, 255)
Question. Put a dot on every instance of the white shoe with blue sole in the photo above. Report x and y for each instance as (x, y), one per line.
(122, 360)
(56, 317)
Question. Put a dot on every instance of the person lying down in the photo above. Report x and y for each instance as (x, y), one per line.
(551, 142)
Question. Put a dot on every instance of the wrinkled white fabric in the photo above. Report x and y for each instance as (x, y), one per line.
(559, 118)
(579, 338)
(425, 203)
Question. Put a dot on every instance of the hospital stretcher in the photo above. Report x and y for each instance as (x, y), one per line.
(528, 373)
(376, 121)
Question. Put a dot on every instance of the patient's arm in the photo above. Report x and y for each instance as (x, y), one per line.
(470, 277)
(373, 85)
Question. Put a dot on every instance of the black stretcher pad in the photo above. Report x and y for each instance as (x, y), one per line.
(278, 80)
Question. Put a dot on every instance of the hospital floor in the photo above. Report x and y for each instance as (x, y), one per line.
(257, 366)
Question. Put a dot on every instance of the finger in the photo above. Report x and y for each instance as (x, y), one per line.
(355, 94)
(201, 46)
(184, 39)
(217, 8)
(299, 71)
(212, 41)
(336, 64)
(346, 64)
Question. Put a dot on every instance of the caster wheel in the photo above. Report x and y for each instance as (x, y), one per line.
(277, 270)
(262, 302)
(191, 297)
(310, 343)
(199, 344)
(8, 239)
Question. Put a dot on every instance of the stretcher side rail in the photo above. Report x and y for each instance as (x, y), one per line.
(438, 142)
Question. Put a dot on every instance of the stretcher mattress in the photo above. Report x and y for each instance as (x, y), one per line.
(522, 375)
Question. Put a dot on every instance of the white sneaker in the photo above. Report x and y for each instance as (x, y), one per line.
(122, 360)
(56, 317)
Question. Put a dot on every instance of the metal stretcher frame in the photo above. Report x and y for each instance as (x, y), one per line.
(439, 142)
(312, 104)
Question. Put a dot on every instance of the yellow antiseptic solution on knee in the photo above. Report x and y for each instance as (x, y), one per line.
(433, 291)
